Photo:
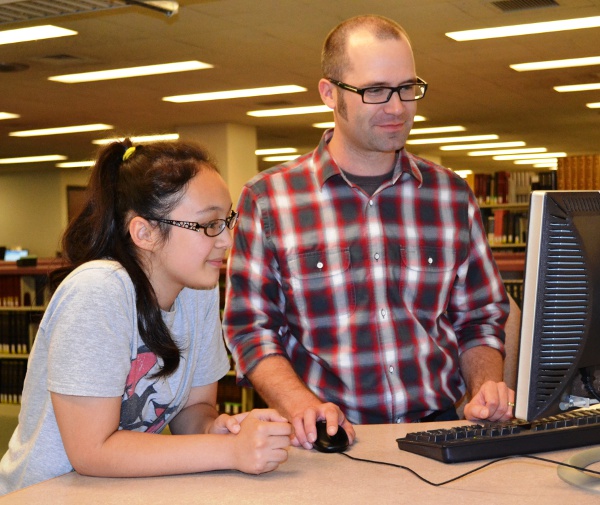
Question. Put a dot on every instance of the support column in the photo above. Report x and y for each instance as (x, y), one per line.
(233, 147)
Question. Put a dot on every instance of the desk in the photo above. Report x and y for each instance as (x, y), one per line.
(310, 477)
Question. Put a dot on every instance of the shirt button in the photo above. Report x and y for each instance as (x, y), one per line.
(430, 260)
(383, 313)
(391, 369)
(319, 265)
(376, 256)
(371, 203)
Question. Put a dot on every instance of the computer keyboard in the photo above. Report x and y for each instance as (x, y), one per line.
(496, 440)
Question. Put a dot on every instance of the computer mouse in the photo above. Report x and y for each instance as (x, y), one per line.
(326, 443)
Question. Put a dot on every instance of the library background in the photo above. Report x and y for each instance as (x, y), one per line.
(245, 45)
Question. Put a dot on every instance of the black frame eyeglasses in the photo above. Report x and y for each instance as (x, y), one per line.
(382, 94)
(211, 229)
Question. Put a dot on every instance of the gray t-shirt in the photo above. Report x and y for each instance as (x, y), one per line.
(88, 345)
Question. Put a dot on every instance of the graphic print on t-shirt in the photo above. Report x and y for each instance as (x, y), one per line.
(140, 409)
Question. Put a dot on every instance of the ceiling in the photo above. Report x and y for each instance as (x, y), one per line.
(275, 42)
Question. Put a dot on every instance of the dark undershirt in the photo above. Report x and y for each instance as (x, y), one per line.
(368, 183)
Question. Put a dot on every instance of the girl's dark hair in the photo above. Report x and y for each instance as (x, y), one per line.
(150, 181)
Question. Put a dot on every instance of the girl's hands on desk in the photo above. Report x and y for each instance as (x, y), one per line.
(262, 438)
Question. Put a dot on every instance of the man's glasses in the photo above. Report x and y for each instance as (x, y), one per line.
(211, 229)
(382, 94)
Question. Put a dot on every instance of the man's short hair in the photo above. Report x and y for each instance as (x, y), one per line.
(333, 56)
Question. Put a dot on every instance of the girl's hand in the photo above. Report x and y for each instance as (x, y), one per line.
(227, 424)
(262, 441)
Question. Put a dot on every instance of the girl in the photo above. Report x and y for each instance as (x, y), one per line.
(131, 339)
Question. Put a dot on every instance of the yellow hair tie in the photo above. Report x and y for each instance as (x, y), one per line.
(128, 153)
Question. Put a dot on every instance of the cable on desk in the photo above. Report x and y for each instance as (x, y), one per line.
(480, 467)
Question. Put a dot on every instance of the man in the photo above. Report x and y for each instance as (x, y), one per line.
(362, 288)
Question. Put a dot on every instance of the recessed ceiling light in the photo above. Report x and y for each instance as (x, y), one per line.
(8, 115)
(75, 164)
(139, 139)
(538, 156)
(546, 65)
(486, 145)
(495, 152)
(594, 105)
(277, 150)
(314, 109)
(32, 159)
(281, 158)
(551, 165)
(235, 93)
(526, 29)
(439, 129)
(535, 161)
(463, 173)
(123, 73)
(33, 33)
(62, 130)
(446, 140)
(578, 87)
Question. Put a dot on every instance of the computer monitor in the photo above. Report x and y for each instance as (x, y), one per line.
(559, 350)
(15, 254)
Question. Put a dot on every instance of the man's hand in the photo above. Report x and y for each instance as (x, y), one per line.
(493, 402)
(304, 422)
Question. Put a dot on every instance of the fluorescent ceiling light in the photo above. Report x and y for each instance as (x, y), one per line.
(526, 29)
(486, 145)
(8, 115)
(235, 93)
(122, 73)
(32, 159)
(508, 151)
(463, 173)
(546, 65)
(75, 164)
(281, 158)
(578, 87)
(446, 140)
(314, 109)
(551, 165)
(331, 124)
(439, 129)
(539, 156)
(138, 140)
(278, 150)
(33, 33)
(62, 130)
(595, 105)
(536, 161)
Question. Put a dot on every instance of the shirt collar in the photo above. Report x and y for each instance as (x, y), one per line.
(326, 167)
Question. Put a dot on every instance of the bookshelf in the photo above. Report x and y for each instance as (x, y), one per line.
(23, 299)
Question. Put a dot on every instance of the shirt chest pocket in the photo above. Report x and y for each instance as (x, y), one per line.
(321, 282)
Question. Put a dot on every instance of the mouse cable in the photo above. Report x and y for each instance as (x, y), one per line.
(437, 484)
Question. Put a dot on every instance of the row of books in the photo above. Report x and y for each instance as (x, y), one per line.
(12, 377)
(505, 226)
(18, 330)
(22, 290)
(515, 289)
(579, 172)
(509, 187)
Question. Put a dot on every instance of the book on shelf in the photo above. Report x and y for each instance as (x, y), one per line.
(505, 226)
(505, 187)
(23, 290)
(12, 377)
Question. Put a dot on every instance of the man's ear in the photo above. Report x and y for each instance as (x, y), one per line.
(144, 234)
(326, 90)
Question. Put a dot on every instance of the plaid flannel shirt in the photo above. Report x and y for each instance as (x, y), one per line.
(371, 298)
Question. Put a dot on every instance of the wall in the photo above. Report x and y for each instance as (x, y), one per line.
(33, 208)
